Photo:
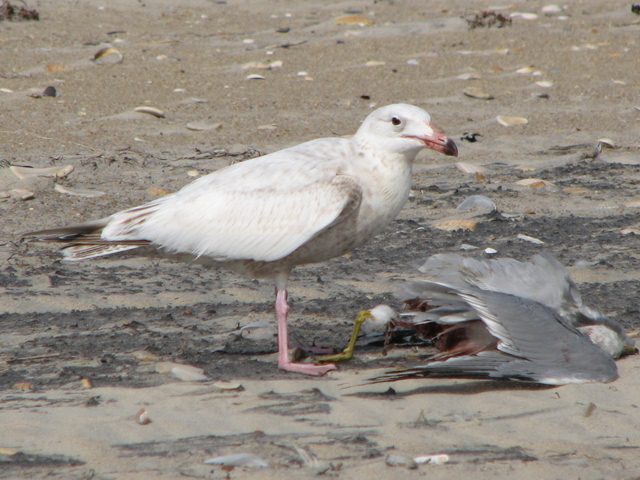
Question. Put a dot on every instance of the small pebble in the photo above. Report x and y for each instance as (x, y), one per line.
(142, 417)
(50, 91)
(400, 461)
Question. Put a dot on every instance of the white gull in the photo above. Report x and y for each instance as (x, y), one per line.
(264, 216)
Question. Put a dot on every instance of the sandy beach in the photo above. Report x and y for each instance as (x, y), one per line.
(89, 351)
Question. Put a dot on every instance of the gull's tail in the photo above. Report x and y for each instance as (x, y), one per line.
(84, 241)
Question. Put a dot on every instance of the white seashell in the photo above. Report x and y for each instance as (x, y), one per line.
(249, 460)
(21, 194)
(228, 386)
(193, 173)
(150, 111)
(544, 84)
(469, 76)
(526, 70)
(524, 15)
(507, 121)
(27, 172)
(374, 63)
(478, 203)
(475, 92)
(108, 55)
(456, 224)
(607, 142)
(202, 126)
(357, 20)
(437, 459)
(529, 239)
(187, 373)
(470, 168)
(490, 251)
(551, 9)
(255, 76)
(78, 192)
(536, 184)
(254, 65)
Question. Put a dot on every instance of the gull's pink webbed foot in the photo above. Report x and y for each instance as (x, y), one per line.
(282, 311)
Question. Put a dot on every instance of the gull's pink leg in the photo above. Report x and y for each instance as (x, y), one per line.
(282, 311)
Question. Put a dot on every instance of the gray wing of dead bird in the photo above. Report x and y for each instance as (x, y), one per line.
(542, 279)
(533, 342)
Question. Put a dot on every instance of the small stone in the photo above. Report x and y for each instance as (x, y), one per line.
(50, 91)
(157, 192)
(400, 461)
(142, 417)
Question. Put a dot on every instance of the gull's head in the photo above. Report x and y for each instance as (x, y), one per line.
(404, 129)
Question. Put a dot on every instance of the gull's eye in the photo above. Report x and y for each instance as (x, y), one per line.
(396, 121)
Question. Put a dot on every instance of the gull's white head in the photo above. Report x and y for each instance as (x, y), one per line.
(405, 129)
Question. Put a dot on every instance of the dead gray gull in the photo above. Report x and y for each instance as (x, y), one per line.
(506, 319)
(264, 216)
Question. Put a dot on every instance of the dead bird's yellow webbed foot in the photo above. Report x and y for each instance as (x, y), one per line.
(347, 353)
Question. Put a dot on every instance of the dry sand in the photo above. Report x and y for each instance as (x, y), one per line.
(118, 321)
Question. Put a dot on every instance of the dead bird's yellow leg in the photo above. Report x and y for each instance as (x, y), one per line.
(347, 353)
